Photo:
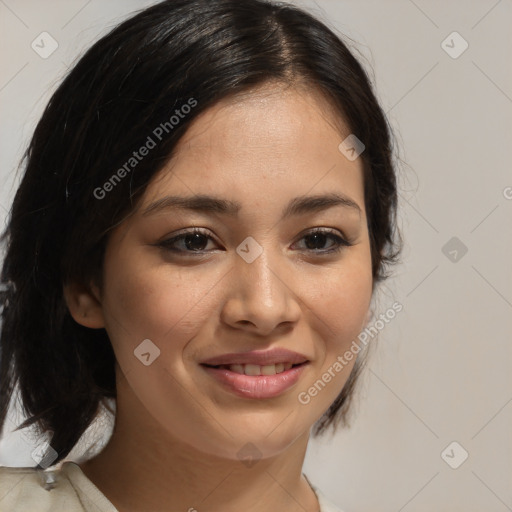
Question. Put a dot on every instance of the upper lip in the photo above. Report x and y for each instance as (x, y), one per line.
(258, 357)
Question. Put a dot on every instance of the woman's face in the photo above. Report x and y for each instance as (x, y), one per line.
(254, 280)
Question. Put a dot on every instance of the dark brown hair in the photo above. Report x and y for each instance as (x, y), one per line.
(129, 82)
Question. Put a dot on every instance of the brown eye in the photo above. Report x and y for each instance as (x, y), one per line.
(194, 241)
(316, 240)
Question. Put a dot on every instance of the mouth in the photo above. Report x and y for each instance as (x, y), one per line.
(254, 370)
(256, 381)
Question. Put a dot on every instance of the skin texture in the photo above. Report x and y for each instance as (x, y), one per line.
(177, 430)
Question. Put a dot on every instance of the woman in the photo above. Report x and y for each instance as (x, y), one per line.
(208, 205)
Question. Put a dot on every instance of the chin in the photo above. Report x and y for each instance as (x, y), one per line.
(248, 442)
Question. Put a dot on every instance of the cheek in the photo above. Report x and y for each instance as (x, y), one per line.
(162, 303)
(342, 300)
(348, 305)
(340, 311)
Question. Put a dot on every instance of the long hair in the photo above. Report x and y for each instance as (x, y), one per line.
(131, 81)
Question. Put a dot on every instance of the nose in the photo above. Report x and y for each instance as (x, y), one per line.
(261, 296)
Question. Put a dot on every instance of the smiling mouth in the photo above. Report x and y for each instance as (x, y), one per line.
(255, 381)
(254, 370)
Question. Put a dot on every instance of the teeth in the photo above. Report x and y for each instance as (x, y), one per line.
(255, 369)
(252, 369)
(272, 369)
(237, 368)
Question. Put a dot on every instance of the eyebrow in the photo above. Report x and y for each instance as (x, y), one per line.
(215, 205)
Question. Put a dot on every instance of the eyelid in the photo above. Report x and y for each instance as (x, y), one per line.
(192, 230)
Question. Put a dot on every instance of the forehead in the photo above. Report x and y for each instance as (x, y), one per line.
(270, 144)
(273, 115)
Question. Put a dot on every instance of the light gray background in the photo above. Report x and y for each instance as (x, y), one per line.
(441, 371)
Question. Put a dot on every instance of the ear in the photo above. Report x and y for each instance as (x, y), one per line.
(84, 305)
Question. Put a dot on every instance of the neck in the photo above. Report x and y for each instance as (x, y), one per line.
(143, 468)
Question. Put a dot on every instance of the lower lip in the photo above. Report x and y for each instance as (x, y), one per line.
(257, 386)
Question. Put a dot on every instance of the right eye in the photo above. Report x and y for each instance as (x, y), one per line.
(191, 242)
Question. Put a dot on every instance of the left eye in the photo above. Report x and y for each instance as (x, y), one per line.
(194, 241)
(318, 237)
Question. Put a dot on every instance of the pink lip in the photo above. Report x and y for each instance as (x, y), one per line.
(259, 357)
(257, 386)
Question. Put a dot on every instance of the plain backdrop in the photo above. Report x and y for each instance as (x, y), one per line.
(438, 387)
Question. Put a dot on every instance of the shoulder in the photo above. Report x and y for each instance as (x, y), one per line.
(62, 489)
(23, 489)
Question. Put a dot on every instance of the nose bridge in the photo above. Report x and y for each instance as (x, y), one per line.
(258, 274)
(260, 294)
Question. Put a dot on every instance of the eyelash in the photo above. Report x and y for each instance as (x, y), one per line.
(340, 241)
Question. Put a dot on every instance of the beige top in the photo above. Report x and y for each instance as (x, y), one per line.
(69, 490)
